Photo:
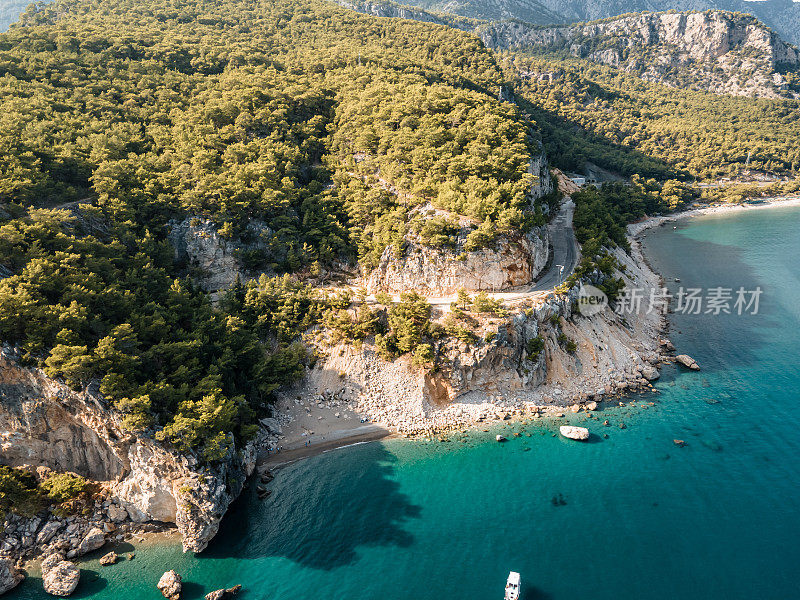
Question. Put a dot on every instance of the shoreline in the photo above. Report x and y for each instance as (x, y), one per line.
(324, 430)
(342, 438)
(634, 230)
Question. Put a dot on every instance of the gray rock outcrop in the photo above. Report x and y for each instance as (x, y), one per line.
(198, 242)
(60, 577)
(10, 577)
(688, 362)
(650, 373)
(95, 539)
(224, 594)
(43, 422)
(718, 51)
(170, 585)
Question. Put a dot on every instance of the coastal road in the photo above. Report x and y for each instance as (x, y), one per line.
(565, 249)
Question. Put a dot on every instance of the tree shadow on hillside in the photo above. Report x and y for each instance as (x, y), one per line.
(570, 146)
(321, 511)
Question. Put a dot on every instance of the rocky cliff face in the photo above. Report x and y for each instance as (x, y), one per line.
(220, 262)
(510, 262)
(44, 423)
(378, 8)
(716, 51)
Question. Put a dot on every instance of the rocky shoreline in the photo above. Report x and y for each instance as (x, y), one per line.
(614, 356)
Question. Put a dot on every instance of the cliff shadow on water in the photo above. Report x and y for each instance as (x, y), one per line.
(714, 265)
(311, 518)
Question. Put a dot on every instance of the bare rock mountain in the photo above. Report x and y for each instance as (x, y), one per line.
(717, 51)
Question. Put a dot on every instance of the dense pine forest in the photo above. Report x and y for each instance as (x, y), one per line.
(618, 121)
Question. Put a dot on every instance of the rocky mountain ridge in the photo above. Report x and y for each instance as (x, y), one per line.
(781, 15)
(717, 51)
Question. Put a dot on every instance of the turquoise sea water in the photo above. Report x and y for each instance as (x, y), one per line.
(628, 517)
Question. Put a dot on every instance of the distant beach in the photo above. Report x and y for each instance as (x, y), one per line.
(635, 229)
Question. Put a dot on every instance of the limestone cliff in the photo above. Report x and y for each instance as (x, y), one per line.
(219, 262)
(44, 423)
(717, 51)
(509, 262)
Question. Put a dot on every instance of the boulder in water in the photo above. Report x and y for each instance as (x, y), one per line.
(60, 577)
(109, 559)
(224, 594)
(170, 585)
(688, 362)
(574, 433)
(9, 576)
(501, 438)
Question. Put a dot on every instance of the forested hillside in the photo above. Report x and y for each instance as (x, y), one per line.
(286, 111)
(591, 112)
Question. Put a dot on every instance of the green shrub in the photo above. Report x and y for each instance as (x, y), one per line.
(18, 491)
(64, 487)
(534, 347)
(482, 303)
(423, 355)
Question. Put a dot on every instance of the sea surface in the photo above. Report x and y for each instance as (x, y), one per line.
(631, 516)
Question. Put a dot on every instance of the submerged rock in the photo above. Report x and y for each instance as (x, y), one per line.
(574, 433)
(501, 438)
(9, 576)
(170, 585)
(60, 577)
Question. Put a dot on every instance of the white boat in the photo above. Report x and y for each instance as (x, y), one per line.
(512, 586)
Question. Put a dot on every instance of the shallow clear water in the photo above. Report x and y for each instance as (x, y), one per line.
(640, 517)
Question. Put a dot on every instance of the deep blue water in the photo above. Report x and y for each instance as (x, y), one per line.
(641, 518)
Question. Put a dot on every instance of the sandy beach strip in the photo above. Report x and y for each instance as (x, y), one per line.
(635, 229)
(296, 449)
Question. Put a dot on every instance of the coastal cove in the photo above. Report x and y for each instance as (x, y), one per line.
(630, 516)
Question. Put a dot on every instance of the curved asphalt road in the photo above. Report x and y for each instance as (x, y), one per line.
(565, 249)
